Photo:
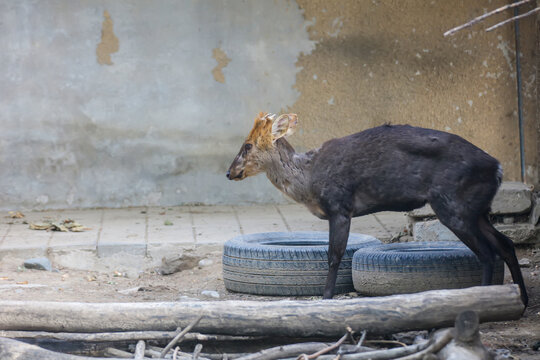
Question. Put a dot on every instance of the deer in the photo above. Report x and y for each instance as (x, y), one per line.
(385, 168)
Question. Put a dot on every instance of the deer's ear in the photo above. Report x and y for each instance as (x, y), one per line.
(284, 125)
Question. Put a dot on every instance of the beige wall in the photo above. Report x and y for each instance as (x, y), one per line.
(387, 61)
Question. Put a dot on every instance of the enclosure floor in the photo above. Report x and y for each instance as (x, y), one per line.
(137, 230)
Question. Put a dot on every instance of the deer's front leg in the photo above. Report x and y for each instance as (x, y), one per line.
(339, 234)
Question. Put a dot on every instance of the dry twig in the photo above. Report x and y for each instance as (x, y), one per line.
(180, 336)
(433, 347)
(379, 354)
(110, 351)
(356, 348)
(120, 336)
(284, 351)
(394, 342)
(139, 350)
(325, 350)
(513, 19)
(197, 351)
(484, 16)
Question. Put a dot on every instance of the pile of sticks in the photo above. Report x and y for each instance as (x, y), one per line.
(166, 330)
(346, 348)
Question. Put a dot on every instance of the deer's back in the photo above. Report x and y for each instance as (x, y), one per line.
(397, 166)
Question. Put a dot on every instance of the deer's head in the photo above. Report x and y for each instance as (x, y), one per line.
(259, 146)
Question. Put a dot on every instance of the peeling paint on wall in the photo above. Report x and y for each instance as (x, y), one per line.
(109, 42)
(222, 61)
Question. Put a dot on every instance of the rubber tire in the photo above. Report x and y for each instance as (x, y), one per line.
(404, 268)
(281, 263)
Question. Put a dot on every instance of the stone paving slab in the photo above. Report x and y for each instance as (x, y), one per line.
(254, 218)
(170, 225)
(129, 234)
(511, 198)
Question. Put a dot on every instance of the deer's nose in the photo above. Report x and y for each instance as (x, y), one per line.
(228, 175)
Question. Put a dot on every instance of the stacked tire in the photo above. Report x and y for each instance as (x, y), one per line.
(296, 264)
(403, 268)
(286, 264)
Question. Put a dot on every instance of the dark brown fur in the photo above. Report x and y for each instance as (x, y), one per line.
(387, 168)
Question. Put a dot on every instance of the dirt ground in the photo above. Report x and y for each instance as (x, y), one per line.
(521, 337)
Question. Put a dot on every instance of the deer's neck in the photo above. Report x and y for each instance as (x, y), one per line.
(290, 172)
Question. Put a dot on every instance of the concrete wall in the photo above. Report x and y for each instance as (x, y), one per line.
(120, 103)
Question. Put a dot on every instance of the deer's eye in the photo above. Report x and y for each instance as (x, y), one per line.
(248, 147)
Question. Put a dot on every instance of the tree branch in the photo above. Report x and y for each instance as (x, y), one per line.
(482, 17)
(513, 19)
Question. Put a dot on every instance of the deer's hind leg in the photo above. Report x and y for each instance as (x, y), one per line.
(505, 249)
(463, 221)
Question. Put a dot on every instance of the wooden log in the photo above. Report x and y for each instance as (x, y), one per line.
(139, 350)
(15, 350)
(120, 336)
(301, 318)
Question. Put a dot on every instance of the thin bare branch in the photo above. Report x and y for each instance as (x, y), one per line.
(110, 351)
(434, 346)
(284, 351)
(358, 347)
(513, 19)
(180, 336)
(482, 17)
(120, 336)
(379, 354)
(197, 351)
(394, 342)
(325, 350)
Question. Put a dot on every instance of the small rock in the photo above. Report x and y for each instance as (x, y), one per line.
(210, 293)
(130, 291)
(187, 298)
(500, 354)
(38, 264)
(524, 262)
(508, 220)
(171, 265)
(205, 262)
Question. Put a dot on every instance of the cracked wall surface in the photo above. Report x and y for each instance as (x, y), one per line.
(161, 122)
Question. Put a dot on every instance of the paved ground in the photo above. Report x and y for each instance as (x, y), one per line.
(114, 261)
(141, 232)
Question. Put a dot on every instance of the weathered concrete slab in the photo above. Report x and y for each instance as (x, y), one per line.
(521, 233)
(130, 240)
(512, 198)
(433, 230)
(423, 212)
(535, 212)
